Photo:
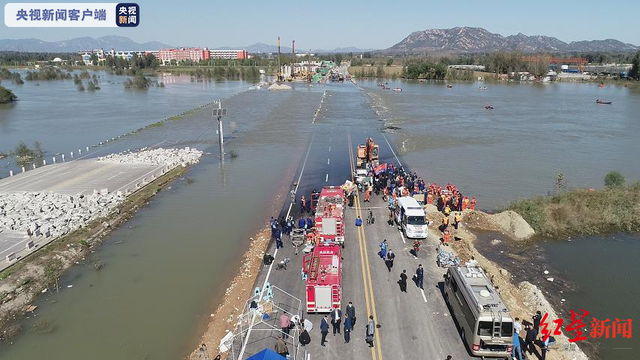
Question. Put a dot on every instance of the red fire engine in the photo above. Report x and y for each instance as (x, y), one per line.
(329, 220)
(323, 277)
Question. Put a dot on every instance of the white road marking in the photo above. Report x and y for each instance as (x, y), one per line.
(402, 236)
(423, 295)
(391, 148)
(326, 178)
(328, 161)
(275, 254)
(329, 148)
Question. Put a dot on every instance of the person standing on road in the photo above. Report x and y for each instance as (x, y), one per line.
(383, 249)
(358, 221)
(516, 350)
(324, 330)
(403, 281)
(347, 328)
(389, 260)
(303, 204)
(304, 338)
(336, 318)
(293, 196)
(281, 347)
(351, 311)
(279, 243)
(371, 330)
(420, 276)
(285, 325)
(529, 339)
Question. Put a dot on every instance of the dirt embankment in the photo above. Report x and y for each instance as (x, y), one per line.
(23, 282)
(523, 299)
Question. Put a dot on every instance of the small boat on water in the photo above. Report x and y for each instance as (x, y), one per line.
(488, 107)
(600, 101)
(449, 86)
(482, 88)
(397, 89)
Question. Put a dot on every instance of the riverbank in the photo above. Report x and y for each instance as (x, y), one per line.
(23, 282)
(523, 298)
(582, 212)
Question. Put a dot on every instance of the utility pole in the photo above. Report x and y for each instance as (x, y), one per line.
(220, 112)
(279, 68)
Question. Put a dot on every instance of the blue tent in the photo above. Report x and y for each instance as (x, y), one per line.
(267, 354)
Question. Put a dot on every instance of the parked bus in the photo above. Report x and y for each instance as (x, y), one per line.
(411, 218)
(484, 321)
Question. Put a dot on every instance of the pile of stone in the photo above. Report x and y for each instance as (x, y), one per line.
(159, 156)
(53, 215)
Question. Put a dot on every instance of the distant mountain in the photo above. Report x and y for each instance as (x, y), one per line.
(479, 40)
(78, 44)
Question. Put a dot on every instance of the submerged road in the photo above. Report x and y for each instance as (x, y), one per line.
(412, 325)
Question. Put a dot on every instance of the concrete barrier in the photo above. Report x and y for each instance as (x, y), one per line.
(72, 154)
(12, 257)
(30, 245)
(79, 151)
(44, 162)
(54, 159)
(23, 169)
(10, 172)
(62, 157)
(34, 165)
(104, 191)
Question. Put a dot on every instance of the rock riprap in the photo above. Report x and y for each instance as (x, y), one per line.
(53, 215)
(159, 156)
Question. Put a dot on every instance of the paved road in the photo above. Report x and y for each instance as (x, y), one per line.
(413, 325)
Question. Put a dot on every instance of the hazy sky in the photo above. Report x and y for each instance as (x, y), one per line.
(365, 24)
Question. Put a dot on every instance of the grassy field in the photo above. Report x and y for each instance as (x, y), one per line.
(582, 211)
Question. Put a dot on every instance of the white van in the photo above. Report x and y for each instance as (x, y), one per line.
(411, 218)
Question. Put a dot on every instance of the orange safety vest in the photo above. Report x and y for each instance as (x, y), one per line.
(465, 203)
(472, 205)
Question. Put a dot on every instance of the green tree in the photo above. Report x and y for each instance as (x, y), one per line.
(635, 67)
(614, 179)
(7, 96)
(389, 62)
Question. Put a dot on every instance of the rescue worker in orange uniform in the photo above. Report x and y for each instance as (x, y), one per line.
(445, 224)
(447, 211)
(472, 204)
(445, 237)
(465, 203)
(457, 220)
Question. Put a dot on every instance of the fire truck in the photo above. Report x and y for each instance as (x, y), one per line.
(322, 270)
(329, 216)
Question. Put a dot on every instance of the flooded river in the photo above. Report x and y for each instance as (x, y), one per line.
(153, 295)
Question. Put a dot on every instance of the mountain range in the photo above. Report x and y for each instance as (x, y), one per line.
(78, 44)
(124, 43)
(479, 40)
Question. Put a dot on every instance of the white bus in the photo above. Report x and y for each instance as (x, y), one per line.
(411, 218)
(484, 321)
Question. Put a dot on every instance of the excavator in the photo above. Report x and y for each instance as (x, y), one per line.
(368, 153)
